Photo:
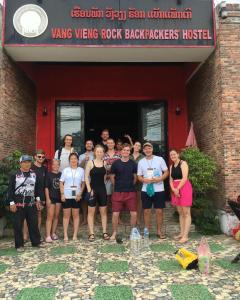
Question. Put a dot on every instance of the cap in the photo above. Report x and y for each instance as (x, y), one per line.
(147, 145)
(25, 158)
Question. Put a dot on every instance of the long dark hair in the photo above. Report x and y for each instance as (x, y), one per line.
(64, 138)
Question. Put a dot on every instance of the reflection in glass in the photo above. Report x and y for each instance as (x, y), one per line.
(153, 126)
(70, 121)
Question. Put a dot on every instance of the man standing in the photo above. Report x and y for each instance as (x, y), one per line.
(123, 177)
(41, 172)
(104, 137)
(88, 155)
(152, 171)
(24, 201)
(63, 153)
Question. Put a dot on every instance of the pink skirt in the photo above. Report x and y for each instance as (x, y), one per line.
(185, 192)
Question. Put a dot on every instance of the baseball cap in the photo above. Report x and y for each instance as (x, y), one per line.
(147, 145)
(25, 158)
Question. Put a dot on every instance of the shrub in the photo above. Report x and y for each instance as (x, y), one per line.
(202, 174)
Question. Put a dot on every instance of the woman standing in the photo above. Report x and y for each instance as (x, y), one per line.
(95, 181)
(181, 194)
(53, 201)
(137, 156)
(71, 187)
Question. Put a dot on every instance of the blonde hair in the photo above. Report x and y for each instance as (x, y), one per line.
(97, 147)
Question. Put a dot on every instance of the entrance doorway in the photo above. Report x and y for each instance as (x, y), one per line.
(143, 121)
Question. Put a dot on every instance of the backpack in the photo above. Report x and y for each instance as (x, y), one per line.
(60, 152)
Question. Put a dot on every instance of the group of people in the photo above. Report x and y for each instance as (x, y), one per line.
(122, 177)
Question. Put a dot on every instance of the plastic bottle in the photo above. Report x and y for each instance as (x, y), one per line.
(146, 239)
(135, 239)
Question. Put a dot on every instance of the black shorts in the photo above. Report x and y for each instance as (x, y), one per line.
(71, 203)
(157, 201)
(55, 200)
(99, 197)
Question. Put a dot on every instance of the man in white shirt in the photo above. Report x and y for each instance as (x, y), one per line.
(152, 171)
(63, 153)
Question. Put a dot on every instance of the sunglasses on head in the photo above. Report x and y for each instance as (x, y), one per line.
(41, 156)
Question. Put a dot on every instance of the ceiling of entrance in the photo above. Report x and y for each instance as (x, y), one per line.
(107, 54)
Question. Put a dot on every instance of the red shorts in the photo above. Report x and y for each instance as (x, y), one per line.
(121, 200)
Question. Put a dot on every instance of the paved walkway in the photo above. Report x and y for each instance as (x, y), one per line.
(106, 271)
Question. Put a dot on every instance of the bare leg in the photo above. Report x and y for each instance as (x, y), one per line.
(187, 220)
(115, 218)
(159, 219)
(75, 214)
(58, 207)
(181, 222)
(147, 218)
(139, 208)
(66, 218)
(85, 212)
(90, 218)
(103, 213)
(133, 215)
(49, 221)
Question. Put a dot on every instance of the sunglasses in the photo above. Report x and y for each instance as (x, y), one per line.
(40, 156)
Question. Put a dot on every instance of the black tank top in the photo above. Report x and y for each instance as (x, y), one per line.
(176, 172)
(97, 177)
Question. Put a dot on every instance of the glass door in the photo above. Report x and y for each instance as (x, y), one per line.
(70, 120)
(153, 126)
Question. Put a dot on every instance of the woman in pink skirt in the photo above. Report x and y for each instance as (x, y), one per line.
(181, 194)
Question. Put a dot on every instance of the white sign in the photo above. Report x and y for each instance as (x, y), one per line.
(30, 20)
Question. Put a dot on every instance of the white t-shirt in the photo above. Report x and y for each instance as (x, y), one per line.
(158, 166)
(72, 178)
(64, 158)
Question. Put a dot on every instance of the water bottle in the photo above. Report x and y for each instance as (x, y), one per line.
(135, 238)
(146, 239)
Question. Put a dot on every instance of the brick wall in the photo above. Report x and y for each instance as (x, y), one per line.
(17, 108)
(214, 105)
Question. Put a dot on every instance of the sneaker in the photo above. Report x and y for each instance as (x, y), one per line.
(20, 249)
(48, 240)
(54, 237)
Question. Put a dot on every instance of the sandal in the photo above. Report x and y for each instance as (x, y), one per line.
(91, 237)
(162, 236)
(105, 236)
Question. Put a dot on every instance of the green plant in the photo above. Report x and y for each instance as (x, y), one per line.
(7, 166)
(202, 174)
(202, 171)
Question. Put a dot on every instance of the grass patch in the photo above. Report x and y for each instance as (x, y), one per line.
(216, 247)
(118, 292)
(169, 266)
(113, 249)
(63, 250)
(190, 292)
(195, 235)
(37, 294)
(52, 268)
(163, 247)
(3, 268)
(226, 264)
(8, 252)
(112, 266)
